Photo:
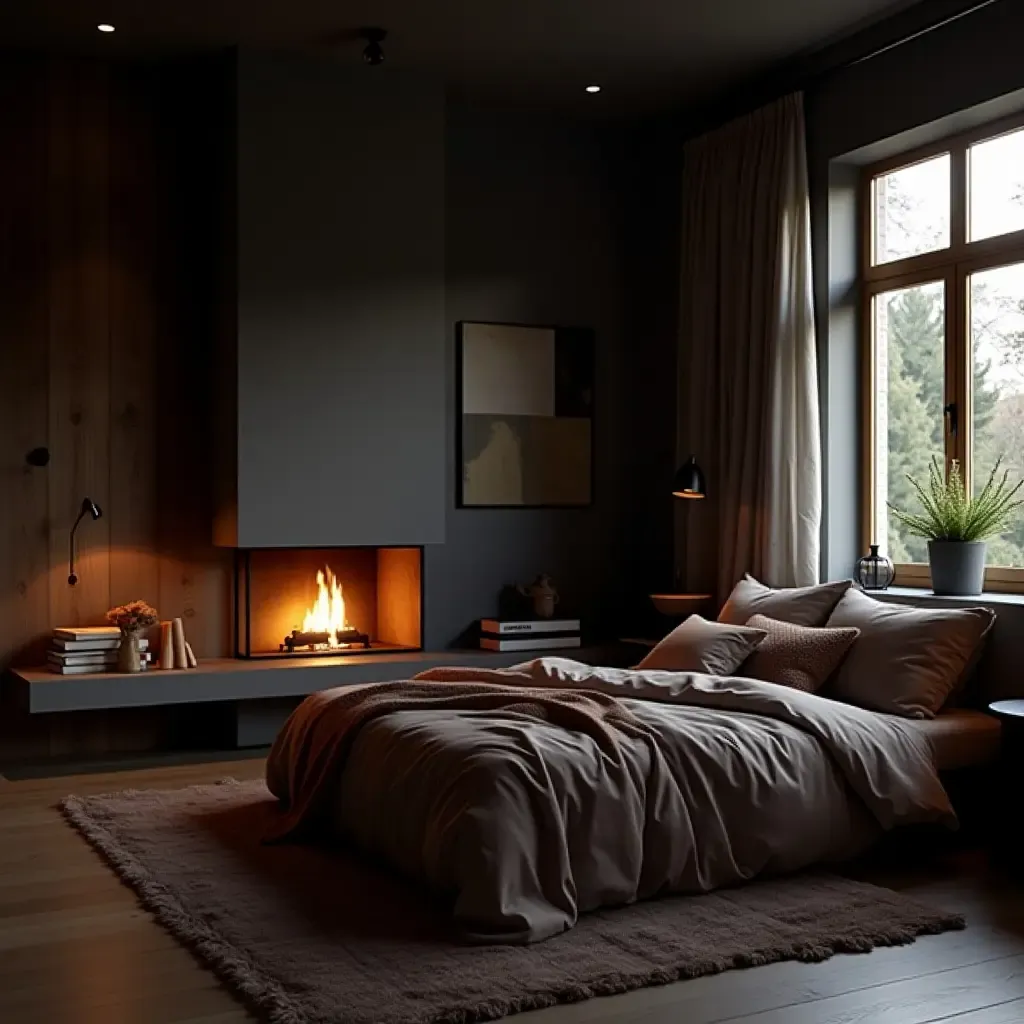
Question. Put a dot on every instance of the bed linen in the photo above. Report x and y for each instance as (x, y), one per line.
(525, 824)
(961, 738)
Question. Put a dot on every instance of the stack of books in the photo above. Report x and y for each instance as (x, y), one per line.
(529, 634)
(82, 650)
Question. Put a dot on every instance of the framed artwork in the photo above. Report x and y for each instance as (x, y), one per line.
(525, 416)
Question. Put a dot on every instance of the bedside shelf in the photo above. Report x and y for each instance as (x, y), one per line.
(678, 605)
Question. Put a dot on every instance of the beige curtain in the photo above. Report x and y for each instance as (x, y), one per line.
(748, 368)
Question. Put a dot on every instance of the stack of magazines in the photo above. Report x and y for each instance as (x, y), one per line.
(529, 634)
(81, 650)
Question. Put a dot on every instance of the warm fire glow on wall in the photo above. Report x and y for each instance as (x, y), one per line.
(327, 602)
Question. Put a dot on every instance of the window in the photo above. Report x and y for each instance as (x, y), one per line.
(943, 270)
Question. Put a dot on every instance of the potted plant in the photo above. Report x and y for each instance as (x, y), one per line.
(956, 525)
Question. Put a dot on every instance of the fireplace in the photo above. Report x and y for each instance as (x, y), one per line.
(327, 602)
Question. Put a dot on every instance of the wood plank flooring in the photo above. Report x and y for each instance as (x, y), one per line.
(75, 948)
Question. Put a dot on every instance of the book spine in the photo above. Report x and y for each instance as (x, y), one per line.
(98, 633)
(91, 646)
(489, 643)
(529, 627)
(94, 658)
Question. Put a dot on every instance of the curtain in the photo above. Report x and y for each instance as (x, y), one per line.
(748, 396)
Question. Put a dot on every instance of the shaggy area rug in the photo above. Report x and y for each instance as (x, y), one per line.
(315, 935)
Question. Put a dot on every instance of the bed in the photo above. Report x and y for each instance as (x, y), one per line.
(525, 824)
(960, 738)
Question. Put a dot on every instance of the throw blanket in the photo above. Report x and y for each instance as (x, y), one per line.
(309, 753)
(535, 794)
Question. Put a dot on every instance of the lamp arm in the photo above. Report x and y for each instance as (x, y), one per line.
(72, 575)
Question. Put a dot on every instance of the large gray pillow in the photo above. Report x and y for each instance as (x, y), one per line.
(701, 646)
(907, 661)
(804, 606)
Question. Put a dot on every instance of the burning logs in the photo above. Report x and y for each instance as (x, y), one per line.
(320, 640)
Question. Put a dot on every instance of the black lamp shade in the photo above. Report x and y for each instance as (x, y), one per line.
(689, 480)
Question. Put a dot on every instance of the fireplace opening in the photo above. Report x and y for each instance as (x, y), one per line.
(327, 602)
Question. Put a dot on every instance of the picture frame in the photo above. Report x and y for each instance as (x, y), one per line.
(524, 415)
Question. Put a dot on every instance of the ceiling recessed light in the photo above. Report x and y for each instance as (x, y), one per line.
(593, 88)
(105, 27)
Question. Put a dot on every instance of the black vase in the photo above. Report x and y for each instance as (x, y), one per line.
(874, 571)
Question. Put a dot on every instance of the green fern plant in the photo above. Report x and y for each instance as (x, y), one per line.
(951, 514)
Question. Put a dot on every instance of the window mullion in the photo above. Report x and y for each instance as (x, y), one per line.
(958, 365)
(959, 368)
(958, 196)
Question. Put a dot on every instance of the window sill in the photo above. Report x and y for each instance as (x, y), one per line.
(923, 595)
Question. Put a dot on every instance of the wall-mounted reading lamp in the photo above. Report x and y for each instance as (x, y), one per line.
(89, 508)
(689, 480)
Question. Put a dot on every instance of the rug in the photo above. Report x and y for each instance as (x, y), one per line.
(317, 935)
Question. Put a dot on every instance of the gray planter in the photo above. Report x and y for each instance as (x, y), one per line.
(958, 566)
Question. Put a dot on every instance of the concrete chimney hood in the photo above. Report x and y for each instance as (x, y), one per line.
(332, 373)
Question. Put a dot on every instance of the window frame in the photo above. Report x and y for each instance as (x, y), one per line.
(953, 265)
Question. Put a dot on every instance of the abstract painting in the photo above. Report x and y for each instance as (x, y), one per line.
(526, 407)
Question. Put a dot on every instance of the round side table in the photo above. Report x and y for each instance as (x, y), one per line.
(1011, 714)
(1009, 842)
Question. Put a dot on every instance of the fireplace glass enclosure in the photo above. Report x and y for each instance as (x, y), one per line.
(328, 602)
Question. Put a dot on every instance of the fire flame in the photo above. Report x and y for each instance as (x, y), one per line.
(328, 613)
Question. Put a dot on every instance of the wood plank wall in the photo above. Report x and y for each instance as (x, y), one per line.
(105, 228)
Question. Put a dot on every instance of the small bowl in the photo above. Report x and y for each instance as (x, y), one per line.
(680, 605)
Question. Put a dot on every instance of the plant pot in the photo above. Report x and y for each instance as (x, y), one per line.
(958, 566)
(128, 657)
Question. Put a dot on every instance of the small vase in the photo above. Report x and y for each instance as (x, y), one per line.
(128, 657)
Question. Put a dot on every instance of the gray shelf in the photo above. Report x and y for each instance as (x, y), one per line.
(39, 691)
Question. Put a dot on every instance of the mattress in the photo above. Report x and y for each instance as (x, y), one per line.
(960, 738)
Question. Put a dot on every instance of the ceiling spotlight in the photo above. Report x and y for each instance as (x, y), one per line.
(593, 88)
(373, 54)
(105, 27)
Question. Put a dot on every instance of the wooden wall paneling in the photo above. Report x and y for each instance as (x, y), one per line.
(106, 217)
(79, 339)
(79, 349)
(24, 376)
(136, 268)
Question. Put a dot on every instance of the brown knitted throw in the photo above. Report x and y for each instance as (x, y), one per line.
(309, 754)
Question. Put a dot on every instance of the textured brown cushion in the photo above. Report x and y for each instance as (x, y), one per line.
(907, 660)
(799, 656)
(701, 646)
(805, 606)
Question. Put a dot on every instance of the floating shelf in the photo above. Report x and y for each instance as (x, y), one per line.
(39, 691)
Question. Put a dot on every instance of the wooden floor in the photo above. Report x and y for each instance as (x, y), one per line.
(76, 949)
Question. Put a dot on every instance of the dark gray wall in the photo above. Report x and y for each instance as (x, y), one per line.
(341, 333)
(538, 232)
(372, 218)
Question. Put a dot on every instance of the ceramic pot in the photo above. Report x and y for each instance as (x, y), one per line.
(128, 657)
(958, 566)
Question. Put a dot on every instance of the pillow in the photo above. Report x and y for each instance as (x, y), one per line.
(701, 646)
(799, 656)
(804, 606)
(907, 660)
